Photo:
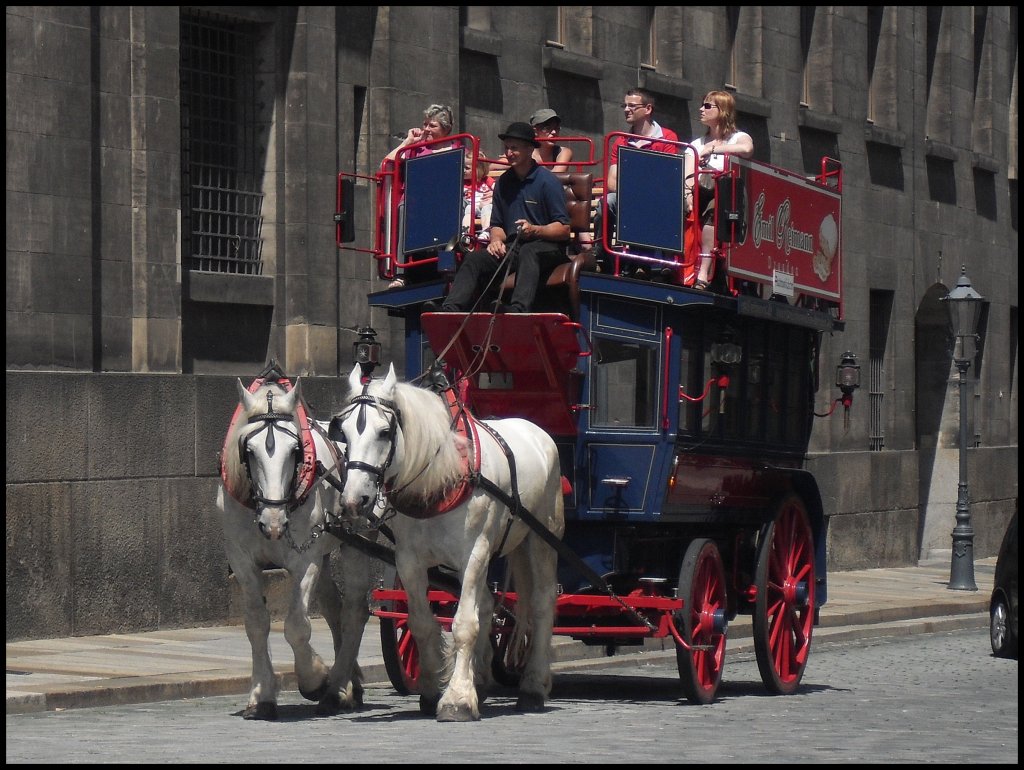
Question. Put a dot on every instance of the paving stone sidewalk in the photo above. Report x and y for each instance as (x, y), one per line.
(84, 671)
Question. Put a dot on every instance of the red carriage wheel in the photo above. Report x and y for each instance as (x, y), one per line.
(401, 656)
(702, 621)
(785, 604)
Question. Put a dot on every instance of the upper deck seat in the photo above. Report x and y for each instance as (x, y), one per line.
(579, 194)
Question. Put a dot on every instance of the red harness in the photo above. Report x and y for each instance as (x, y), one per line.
(465, 426)
(305, 478)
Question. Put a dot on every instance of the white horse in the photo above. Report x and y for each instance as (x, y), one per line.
(274, 509)
(400, 437)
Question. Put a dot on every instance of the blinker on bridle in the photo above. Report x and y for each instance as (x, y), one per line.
(270, 418)
(394, 420)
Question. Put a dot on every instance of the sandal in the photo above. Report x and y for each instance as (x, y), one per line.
(398, 283)
(700, 285)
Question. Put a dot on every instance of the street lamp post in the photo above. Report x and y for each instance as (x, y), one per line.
(965, 309)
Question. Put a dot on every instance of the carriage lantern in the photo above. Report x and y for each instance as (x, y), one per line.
(848, 377)
(366, 351)
(725, 350)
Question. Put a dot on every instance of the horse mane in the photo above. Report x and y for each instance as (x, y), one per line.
(233, 470)
(433, 464)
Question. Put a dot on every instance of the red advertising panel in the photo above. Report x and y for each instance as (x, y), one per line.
(791, 232)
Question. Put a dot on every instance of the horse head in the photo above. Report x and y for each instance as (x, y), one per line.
(270, 451)
(370, 428)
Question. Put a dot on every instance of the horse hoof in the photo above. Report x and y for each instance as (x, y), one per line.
(318, 693)
(530, 702)
(451, 712)
(330, 705)
(264, 710)
(428, 705)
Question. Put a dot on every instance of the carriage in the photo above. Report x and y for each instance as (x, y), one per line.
(681, 416)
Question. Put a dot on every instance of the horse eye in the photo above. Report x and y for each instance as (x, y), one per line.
(385, 433)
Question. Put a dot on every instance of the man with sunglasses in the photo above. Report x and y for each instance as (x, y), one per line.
(647, 134)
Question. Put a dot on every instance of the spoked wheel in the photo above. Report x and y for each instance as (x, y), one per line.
(401, 656)
(785, 604)
(702, 620)
(505, 671)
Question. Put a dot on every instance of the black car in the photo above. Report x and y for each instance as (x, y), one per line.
(1003, 607)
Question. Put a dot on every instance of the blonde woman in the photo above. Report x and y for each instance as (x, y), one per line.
(718, 114)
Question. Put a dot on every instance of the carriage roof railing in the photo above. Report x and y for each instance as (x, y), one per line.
(775, 229)
(389, 185)
(666, 246)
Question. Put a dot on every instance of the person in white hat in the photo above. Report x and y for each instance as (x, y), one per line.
(546, 125)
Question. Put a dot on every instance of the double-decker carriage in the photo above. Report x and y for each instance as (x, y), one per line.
(682, 416)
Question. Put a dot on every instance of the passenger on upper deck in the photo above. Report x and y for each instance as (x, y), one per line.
(530, 201)
(477, 201)
(718, 113)
(546, 125)
(638, 109)
(438, 121)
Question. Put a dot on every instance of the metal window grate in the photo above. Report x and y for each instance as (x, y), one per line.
(880, 305)
(876, 396)
(222, 204)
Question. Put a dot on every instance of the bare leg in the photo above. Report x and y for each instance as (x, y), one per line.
(706, 258)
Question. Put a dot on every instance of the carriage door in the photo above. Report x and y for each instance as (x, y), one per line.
(630, 431)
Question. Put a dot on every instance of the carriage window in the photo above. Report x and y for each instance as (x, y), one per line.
(691, 377)
(624, 382)
(769, 376)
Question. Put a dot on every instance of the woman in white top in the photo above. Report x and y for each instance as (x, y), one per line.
(718, 113)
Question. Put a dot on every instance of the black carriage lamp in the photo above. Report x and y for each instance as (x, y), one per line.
(848, 377)
(965, 310)
(725, 354)
(366, 351)
(847, 380)
(724, 350)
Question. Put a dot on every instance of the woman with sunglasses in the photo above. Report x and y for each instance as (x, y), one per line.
(718, 113)
(546, 125)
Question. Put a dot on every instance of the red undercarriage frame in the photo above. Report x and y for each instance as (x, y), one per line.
(591, 614)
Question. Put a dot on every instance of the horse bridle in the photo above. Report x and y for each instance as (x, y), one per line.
(270, 420)
(360, 402)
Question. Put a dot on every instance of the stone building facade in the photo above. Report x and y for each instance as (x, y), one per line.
(171, 188)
